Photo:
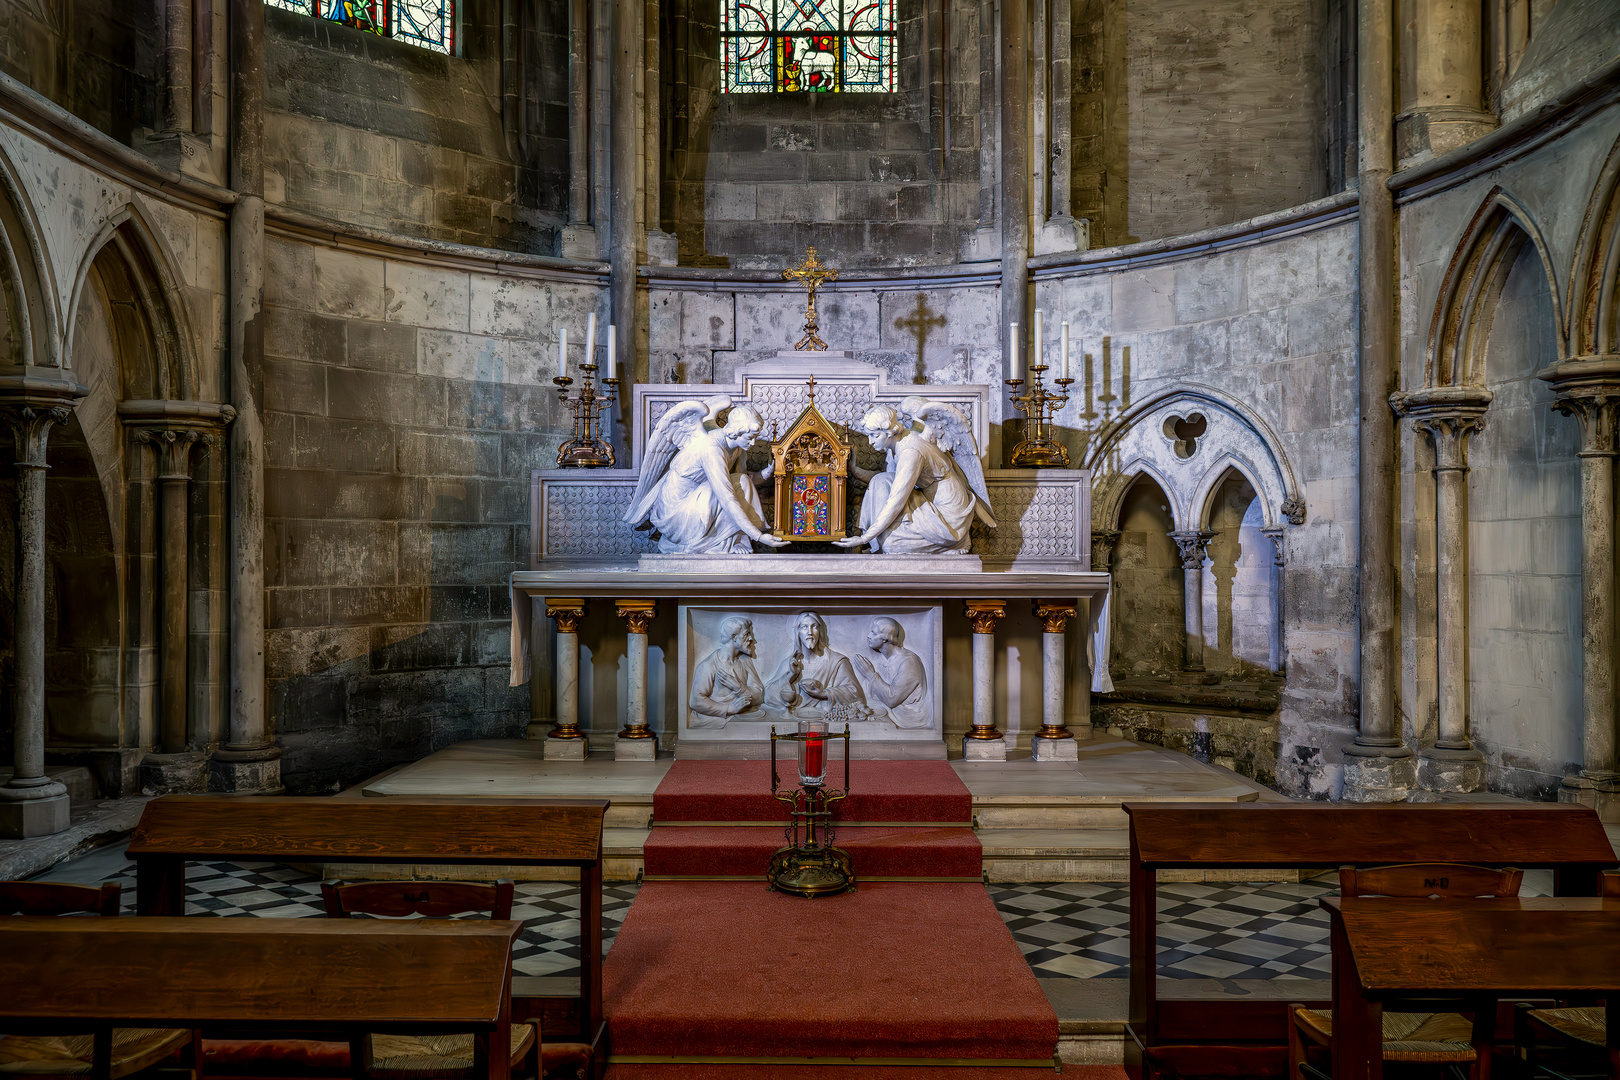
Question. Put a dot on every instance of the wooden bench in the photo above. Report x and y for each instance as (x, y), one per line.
(346, 978)
(1232, 1037)
(1531, 947)
(178, 829)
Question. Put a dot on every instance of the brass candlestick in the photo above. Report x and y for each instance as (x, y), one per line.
(587, 449)
(1039, 450)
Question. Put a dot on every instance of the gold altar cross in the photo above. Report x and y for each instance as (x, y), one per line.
(812, 275)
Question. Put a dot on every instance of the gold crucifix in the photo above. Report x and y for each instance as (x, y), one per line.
(811, 274)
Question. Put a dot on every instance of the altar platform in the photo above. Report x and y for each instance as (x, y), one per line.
(1037, 821)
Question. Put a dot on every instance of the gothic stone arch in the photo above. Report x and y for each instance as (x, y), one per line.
(1189, 467)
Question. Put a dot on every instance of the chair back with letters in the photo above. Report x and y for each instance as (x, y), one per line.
(1451, 881)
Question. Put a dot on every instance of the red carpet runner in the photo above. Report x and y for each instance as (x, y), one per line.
(708, 977)
(907, 820)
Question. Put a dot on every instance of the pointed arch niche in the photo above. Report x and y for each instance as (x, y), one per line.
(1191, 497)
(1505, 540)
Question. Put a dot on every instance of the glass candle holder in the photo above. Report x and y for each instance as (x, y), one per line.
(812, 752)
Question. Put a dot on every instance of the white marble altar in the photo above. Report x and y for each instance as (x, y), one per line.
(888, 645)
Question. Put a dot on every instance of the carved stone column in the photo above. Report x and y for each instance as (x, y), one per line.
(1589, 390)
(32, 804)
(636, 742)
(177, 766)
(1054, 742)
(1449, 415)
(566, 742)
(1278, 647)
(984, 742)
(1194, 545)
(1445, 71)
(249, 761)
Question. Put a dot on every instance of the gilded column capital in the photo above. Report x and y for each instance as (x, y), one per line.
(637, 614)
(1194, 546)
(568, 613)
(984, 614)
(1054, 614)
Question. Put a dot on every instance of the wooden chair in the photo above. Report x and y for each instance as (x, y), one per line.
(1444, 1038)
(1574, 1038)
(51, 1057)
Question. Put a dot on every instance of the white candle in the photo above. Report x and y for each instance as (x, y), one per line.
(1065, 350)
(562, 353)
(590, 338)
(1038, 357)
(1012, 350)
(613, 350)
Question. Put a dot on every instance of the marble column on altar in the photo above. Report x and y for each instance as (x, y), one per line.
(984, 742)
(31, 803)
(1588, 389)
(636, 742)
(173, 429)
(1194, 545)
(1449, 415)
(1054, 742)
(566, 742)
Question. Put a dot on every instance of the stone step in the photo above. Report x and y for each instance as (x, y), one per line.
(1059, 816)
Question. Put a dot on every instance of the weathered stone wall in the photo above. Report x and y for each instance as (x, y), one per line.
(1237, 581)
(870, 179)
(382, 133)
(1272, 324)
(405, 407)
(1189, 115)
(1149, 614)
(97, 58)
(933, 331)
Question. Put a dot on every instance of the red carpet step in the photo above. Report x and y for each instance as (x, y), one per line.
(859, 1072)
(874, 852)
(913, 792)
(723, 970)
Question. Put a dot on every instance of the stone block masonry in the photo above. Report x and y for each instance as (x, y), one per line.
(381, 133)
(406, 407)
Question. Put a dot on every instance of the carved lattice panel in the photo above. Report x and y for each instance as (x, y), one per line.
(588, 519)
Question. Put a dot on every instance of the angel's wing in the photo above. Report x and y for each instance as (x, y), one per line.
(672, 431)
(952, 435)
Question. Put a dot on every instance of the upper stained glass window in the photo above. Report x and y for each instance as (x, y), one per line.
(428, 23)
(826, 46)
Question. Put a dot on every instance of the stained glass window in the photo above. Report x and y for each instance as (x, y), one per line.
(824, 46)
(428, 23)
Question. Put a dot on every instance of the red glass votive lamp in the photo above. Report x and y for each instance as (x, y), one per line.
(812, 752)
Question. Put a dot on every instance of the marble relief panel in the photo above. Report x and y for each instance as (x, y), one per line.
(876, 667)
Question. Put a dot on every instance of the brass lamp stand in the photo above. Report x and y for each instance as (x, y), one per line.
(810, 865)
(586, 449)
(1039, 450)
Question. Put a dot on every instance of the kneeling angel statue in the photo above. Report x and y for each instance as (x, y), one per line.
(695, 487)
(925, 502)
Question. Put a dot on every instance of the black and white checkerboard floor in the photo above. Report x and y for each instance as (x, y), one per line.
(1066, 930)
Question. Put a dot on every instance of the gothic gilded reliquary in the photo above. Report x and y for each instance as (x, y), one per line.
(812, 471)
